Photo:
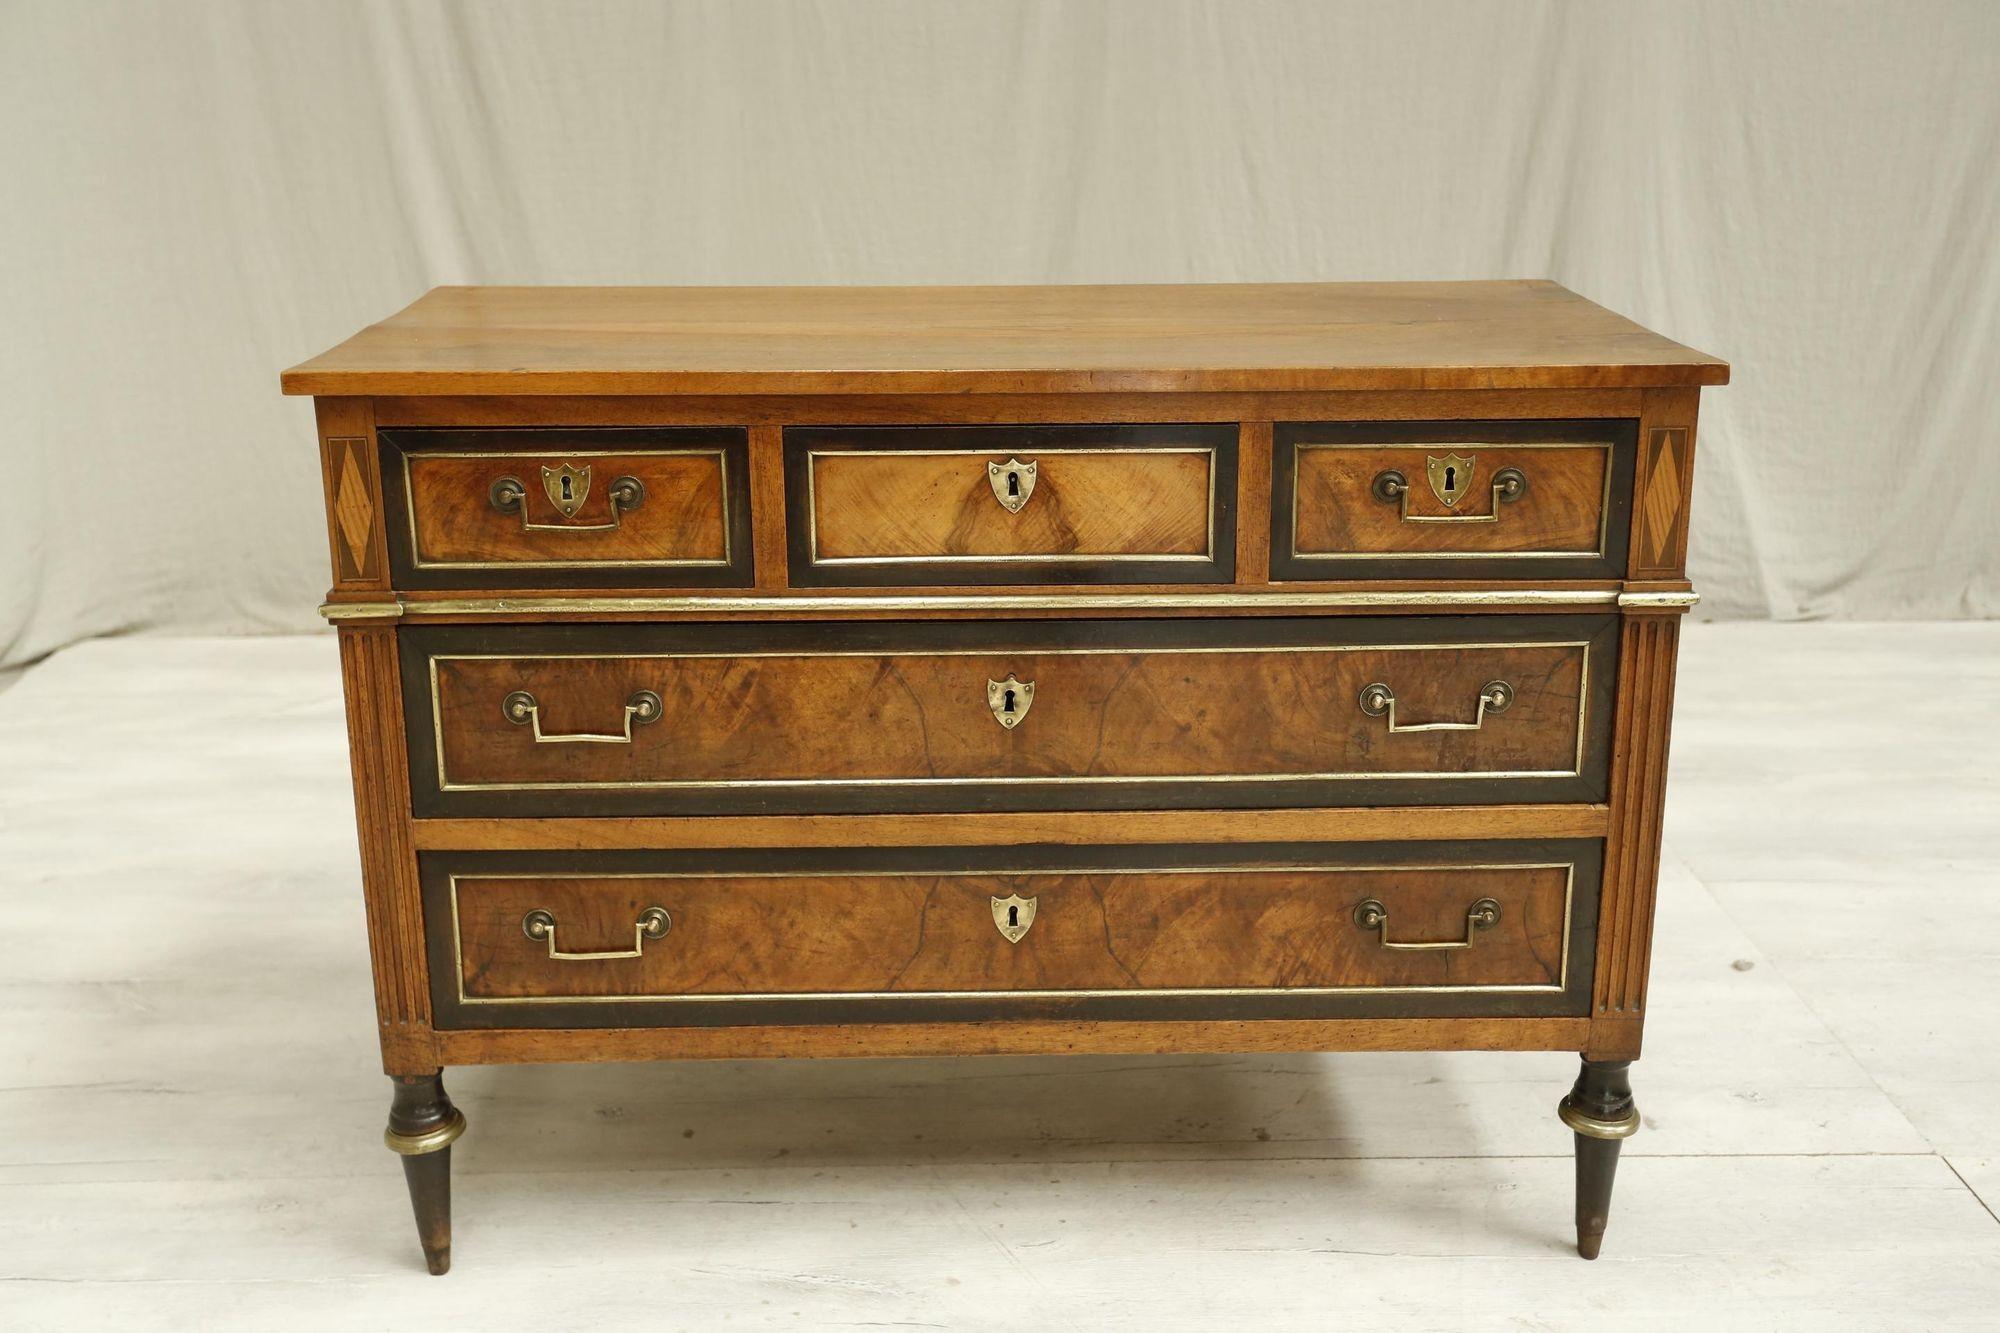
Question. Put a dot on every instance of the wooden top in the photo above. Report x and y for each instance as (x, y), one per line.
(1187, 338)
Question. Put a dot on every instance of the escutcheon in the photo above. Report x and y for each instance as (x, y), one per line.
(566, 486)
(1010, 700)
(1451, 477)
(1013, 915)
(1013, 482)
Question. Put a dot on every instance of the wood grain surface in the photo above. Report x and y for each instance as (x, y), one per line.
(1128, 502)
(707, 340)
(1570, 519)
(1561, 510)
(908, 934)
(1144, 930)
(690, 528)
(1008, 829)
(389, 886)
(784, 715)
(914, 505)
(680, 520)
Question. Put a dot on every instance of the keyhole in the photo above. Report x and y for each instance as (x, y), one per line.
(1013, 484)
(1450, 480)
(1013, 916)
(1007, 702)
(566, 490)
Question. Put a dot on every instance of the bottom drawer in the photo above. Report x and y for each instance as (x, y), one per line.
(633, 939)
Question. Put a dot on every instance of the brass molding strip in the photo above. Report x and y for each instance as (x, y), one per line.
(1194, 601)
(1678, 601)
(339, 611)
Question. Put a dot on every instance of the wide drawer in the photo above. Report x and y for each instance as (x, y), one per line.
(526, 508)
(679, 937)
(1451, 499)
(952, 505)
(888, 716)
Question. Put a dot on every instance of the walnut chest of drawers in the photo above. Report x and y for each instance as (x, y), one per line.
(808, 672)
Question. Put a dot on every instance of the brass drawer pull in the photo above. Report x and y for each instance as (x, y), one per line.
(1378, 700)
(566, 488)
(521, 709)
(1013, 482)
(1370, 914)
(1451, 478)
(653, 924)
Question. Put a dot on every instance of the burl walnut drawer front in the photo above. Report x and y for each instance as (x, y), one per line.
(524, 508)
(1451, 499)
(658, 937)
(886, 716)
(1011, 504)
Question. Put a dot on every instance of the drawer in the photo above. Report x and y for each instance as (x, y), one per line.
(1451, 499)
(1011, 504)
(942, 716)
(562, 508)
(630, 938)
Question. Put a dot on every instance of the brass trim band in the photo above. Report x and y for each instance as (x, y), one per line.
(431, 1140)
(1593, 1128)
(395, 607)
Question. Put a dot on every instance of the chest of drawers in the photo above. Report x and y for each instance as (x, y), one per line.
(812, 672)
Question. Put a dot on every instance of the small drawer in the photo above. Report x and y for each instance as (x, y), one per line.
(557, 508)
(1451, 499)
(634, 938)
(943, 716)
(1010, 504)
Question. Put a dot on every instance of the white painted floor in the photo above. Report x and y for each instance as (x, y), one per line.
(190, 1108)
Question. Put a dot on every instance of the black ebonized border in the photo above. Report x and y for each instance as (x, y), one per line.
(734, 443)
(417, 643)
(1287, 436)
(436, 868)
(801, 441)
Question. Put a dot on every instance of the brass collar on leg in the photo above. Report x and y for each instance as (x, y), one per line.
(434, 1139)
(1593, 1128)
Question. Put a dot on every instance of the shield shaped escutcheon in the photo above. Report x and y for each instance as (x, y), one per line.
(1013, 915)
(1451, 476)
(566, 487)
(1010, 700)
(1013, 482)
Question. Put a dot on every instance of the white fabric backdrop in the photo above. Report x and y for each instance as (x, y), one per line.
(194, 195)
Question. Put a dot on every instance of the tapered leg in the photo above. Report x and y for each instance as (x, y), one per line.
(422, 1126)
(1600, 1111)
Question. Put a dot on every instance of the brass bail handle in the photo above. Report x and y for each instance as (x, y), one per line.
(1378, 700)
(508, 495)
(522, 709)
(1392, 487)
(1370, 914)
(653, 924)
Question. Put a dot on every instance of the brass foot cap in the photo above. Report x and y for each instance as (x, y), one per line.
(1593, 1128)
(440, 1136)
(438, 1260)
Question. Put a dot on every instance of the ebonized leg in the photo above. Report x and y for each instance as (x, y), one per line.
(1600, 1110)
(422, 1125)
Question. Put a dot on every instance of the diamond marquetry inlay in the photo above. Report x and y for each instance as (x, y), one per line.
(353, 508)
(1662, 501)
